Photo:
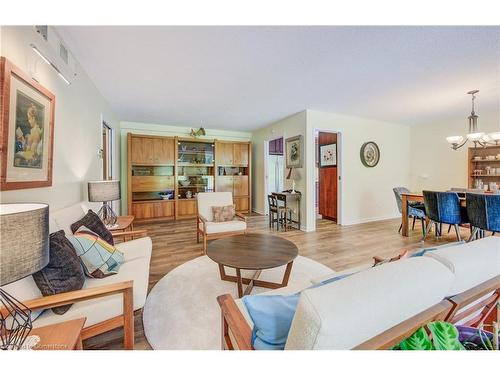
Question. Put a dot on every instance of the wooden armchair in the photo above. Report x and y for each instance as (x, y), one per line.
(210, 230)
(126, 320)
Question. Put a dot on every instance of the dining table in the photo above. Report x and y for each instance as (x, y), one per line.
(415, 197)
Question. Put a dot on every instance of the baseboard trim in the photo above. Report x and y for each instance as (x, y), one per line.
(371, 219)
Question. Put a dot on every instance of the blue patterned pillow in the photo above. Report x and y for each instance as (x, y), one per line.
(99, 259)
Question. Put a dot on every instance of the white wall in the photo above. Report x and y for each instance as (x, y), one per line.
(79, 111)
(436, 166)
(170, 131)
(366, 193)
(286, 128)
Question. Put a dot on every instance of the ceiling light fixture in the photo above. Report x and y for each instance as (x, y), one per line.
(474, 135)
(37, 51)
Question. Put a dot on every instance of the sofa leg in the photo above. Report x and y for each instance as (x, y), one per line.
(128, 319)
(205, 244)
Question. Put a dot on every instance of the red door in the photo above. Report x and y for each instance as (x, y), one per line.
(327, 181)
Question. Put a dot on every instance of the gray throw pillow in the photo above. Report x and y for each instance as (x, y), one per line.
(64, 272)
(95, 224)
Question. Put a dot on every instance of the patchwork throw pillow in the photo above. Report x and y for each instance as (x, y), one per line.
(223, 213)
(99, 258)
(64, 272)
(95, 224)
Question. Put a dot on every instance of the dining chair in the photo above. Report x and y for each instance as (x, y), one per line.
(444, 208)
(484, 213)
(273, 211)
(415, 209)
(284, 212)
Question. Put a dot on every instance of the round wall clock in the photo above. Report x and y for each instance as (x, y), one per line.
(370, 154)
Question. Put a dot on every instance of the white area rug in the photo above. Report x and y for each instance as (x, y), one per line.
(182, 312)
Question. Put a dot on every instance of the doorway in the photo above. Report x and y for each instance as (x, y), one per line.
(327, 175)
(275, 166)
(107, 152)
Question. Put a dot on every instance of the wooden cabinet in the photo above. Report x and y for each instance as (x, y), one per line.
(142, 151)
(152, 150)
(224, 183)
(242, 203)
(163, 151)
(186, 208)
(152, 183)
(232, 153)
(151, 210)
(240, 186)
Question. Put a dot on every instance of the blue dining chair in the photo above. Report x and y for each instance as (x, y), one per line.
(444, 208)
(416, 210)
(484, 213)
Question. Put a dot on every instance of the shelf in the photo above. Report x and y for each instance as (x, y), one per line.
(192, 186)
(183, 164)
(486, 161)
(485, 175)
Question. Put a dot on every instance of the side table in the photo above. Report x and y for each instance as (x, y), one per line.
(60, 336)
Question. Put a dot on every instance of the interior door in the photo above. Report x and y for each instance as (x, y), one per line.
(328, 180)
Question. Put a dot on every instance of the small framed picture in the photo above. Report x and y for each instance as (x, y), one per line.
(328, 155)
(27, 130)
(294, 152)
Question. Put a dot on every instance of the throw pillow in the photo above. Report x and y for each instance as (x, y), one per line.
(99, 258)
(95, 224)
(64, 272)
(223, 213)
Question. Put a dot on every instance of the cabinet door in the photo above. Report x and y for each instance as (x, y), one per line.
(240, 186)
(142, 150)
(186, 207)
(241, 204)
(163, 150)
(224, 183)
(225, 153)
(240, 151)
(142, 210)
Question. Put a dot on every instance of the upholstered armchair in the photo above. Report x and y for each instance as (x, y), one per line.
(207, 227)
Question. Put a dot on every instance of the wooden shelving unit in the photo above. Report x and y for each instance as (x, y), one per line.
(484, 166)
(166, 173)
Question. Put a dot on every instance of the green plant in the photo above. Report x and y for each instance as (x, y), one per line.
(444, 336)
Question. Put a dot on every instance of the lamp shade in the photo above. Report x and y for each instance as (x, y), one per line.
(293, 174)
(104, 191)
(24, 241)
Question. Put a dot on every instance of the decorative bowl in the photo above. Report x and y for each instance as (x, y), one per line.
(184, 182)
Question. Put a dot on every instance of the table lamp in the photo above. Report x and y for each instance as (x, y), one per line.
(293, 174)
(24, 250)
(105, 192)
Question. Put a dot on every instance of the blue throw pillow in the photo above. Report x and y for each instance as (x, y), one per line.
(272, 316)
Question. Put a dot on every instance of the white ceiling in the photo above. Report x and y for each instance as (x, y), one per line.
(244, 78)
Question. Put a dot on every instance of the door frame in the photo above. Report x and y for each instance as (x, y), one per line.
(340, 179)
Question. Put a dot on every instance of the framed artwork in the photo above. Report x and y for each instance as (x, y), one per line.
(370, 154)
(328, 155)
(27, 130)
(294, 152)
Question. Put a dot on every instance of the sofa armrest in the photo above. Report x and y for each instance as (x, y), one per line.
(241, 216)
(130, 233)
(405, 329)
(234, 325)
(125, 288)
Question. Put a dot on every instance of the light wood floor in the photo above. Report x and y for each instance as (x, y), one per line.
(338, 247)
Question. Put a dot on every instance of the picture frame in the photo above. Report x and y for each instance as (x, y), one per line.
(294, 152)
(26, 130)
(328, 155)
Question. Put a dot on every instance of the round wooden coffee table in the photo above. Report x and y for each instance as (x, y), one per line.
(253, 252)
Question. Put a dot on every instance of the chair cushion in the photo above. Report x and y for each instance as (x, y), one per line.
(64, 272)
(99, 258)
(95, 224)
(226, 226)
(207, 200)
(65, 217)
(137, 256)
(372, 301)
(472, 263)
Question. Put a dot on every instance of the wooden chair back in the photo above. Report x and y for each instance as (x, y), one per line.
(273, 204)
(280, 199)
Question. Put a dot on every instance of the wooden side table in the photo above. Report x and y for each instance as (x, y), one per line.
(60, 336)
(123, 224)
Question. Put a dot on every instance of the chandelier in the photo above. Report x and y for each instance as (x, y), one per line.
(474, 135)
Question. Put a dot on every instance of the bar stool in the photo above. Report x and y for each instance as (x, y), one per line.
(273, 211)
(284, 212)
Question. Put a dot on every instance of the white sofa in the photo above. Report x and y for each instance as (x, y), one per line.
(352, 311)
(99, 311)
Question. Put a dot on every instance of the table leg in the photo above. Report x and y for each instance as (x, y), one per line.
(238, 281)
(286, 276)
(404, 216)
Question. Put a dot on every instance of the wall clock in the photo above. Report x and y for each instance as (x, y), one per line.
(370, 154)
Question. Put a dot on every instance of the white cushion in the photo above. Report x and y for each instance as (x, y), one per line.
(208, 200)
(225, 226)
(348, 271)
(137, 256)
(344, 314)
(472, 263)
(65, 217)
